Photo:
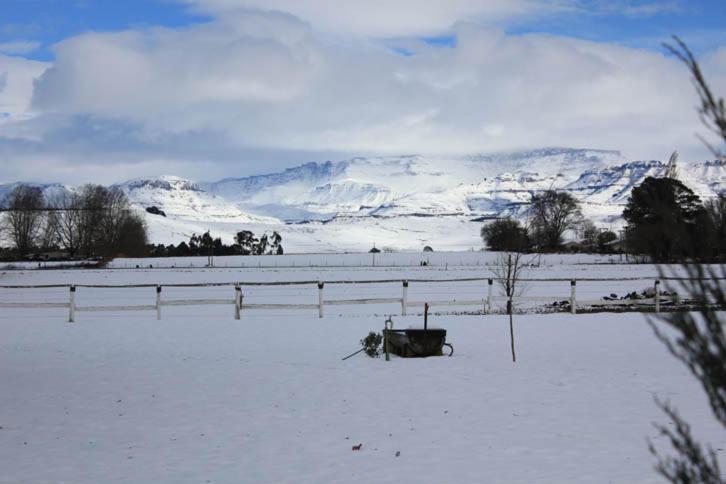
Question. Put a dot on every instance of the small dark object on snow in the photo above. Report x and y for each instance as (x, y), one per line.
(398, 453)
(154, 210)
(357, 447)
(417, 342)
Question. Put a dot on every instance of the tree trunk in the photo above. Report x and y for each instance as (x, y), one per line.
(511, 337)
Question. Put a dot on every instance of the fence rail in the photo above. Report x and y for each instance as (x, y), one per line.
(238, 303)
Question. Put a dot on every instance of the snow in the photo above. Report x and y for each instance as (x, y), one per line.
(401, 202)
(180, 198)
(200, 397)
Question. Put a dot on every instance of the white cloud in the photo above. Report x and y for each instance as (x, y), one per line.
(260, 57)
(633, 8)
(387, 18)
(18, 47)
(254, 91)
(16, 87)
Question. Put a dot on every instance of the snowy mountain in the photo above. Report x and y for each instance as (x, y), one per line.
(398, 202)
(183, 199)
(413, 200)
(409, 185)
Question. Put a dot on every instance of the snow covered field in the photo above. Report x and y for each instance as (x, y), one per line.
(200, 397)
(550, 278)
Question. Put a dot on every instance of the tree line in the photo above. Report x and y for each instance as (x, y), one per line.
(665, 221)
(245, 243)
(94, 221)
(551, 213)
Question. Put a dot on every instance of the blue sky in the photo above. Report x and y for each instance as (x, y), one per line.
(633, 23)
(641, 24)
(50, 21)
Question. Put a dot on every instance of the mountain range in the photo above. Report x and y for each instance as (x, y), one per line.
(398, 202)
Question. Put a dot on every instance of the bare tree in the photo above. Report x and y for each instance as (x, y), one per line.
(91, 208)
(508, 269)
(697, 338)
(25, 217)
(590, 233)
(97, 221)
(552, 213)
(114, 216)
(48, 238)
(65, 208)
(712, 110)
(694, 463)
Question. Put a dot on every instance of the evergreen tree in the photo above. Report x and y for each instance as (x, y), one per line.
(666, 220)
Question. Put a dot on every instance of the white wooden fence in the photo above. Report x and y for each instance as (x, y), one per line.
(237, 301)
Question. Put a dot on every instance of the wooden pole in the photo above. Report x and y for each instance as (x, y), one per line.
(320, 298)
(489, 295)
(426, 316)
(657, 295)
(158, 303)
(573, 296)
(237, 301)
(388, 324)
(72, 305)
(353, 354)
(404, 298)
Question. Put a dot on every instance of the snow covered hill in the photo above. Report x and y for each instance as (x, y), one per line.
(406, 202)
(183, 199)
(399, 202)
(409, 185)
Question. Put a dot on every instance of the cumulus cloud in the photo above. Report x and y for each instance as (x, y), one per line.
(265, 57)
(16, 87)
(257, 90)
(385, 18)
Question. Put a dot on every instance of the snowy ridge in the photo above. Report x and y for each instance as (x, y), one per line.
(405, 202)
(614, 184)
(399, 202)
(410, 184)
(183, 199)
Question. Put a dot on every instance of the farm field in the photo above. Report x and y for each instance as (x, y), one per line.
(201, 397)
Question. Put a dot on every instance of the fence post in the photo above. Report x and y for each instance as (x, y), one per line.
(237, 300)
(158, 303)
(404, 298)
(573, 298)
(320, 298)
(72, 305)
(657, 295)
(489, 295)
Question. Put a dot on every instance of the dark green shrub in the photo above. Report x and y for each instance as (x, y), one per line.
(372, 343)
